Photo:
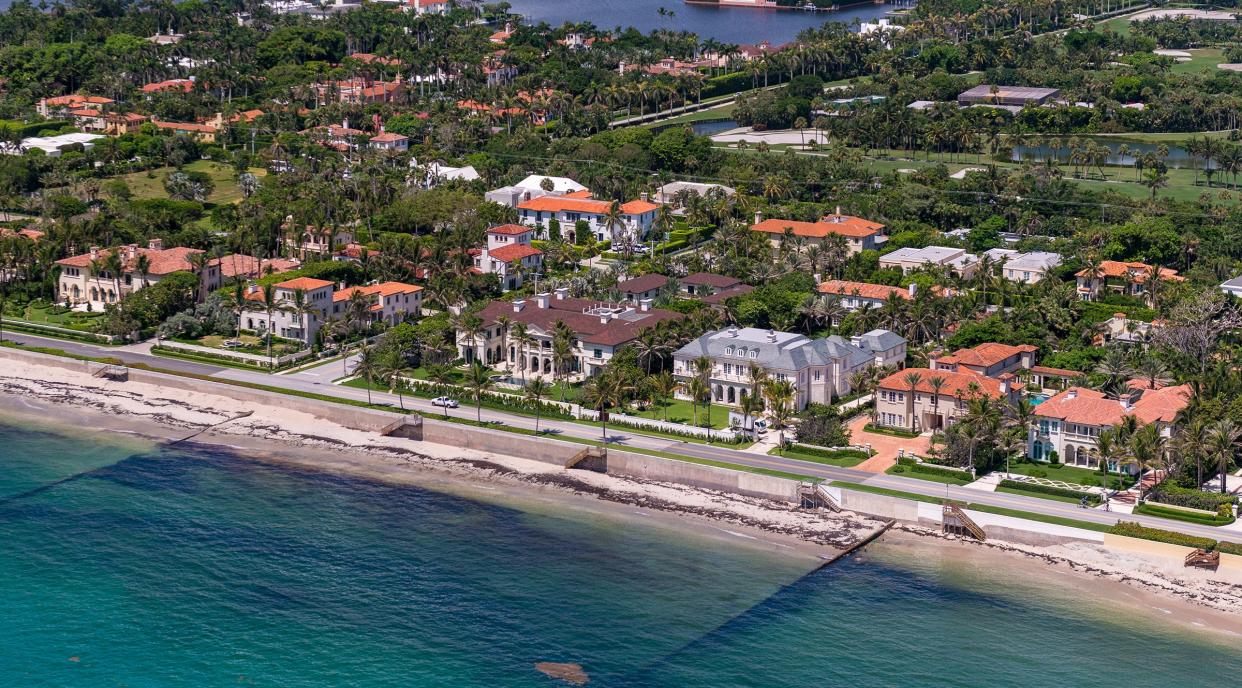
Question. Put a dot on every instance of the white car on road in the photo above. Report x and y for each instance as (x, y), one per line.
(446, 402)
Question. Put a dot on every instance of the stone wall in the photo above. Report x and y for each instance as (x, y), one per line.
(646, 467)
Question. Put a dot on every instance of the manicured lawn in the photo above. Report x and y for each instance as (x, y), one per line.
(73, 320)
(680, 411)
(151, 184)
(842, 459)
(1179, 515)
(722, 112)
(1041, 495)
(1070, 474)
(908, 472)
(250, 344)
(1201, 59)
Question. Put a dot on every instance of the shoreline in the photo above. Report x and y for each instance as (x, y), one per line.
(52, 396)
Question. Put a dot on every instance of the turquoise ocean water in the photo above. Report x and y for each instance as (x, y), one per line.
(197, 568)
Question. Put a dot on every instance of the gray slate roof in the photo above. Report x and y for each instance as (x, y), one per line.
(789, 351)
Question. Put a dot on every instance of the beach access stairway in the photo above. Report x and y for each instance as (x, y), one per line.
(115, 373)
(957, 522)
(816, 495)
(1203, 559)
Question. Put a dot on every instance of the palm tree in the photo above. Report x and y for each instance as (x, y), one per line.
(271, 305)
(478, 381)
(535, 392)
(703, 371)
(367, 367)
(779, 395)
(602, 391)
(912, 381)
(1224, 444)
(1146, 451)
(389, 370)
(936, 382)
(664, 385)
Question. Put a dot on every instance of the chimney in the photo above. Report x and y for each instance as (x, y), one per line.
(131, 251)
(856, 340)
(758, 217)
(733, 331)
(772, 336)
(914, 288)
(345, 123)
(1004, 386)
(604, 317)
(156, 244)
(519, 305)
(561, 293)
(837, 217)
(644, 305)
(94, 252)
(1072, 394)
(644, 196)
(541, 300)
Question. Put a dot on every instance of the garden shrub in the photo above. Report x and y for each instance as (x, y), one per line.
(1134, 530)
(1050, 490)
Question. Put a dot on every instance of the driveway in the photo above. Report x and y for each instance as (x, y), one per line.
(884, 446)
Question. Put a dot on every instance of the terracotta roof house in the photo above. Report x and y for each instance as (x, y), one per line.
(989, 359)
(49, 107)
(706, 283)
(1119, 277)
(201, 132)
(85, 279)
(599, 330)
(182, 85)
(238, 265)
(855, 296)
(389, 141)
(288, 321)
(509, 255)
(637, 217)
(860, 234)
(390, 302)
(927, 408)
(1069, 422)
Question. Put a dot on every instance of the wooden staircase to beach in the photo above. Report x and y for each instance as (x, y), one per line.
(115, 373)
(1203, 559)
(955, 521)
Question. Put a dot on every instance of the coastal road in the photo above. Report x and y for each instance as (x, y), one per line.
(319, 381)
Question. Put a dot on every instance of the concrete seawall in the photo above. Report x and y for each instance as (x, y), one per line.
(559, 453)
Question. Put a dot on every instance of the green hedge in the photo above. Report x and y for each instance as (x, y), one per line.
(895, 432)
(828, 453)
(1194, 499)
(930, 469)
(1134, 530)
(1149, 509)
(1229, 547)
(1050, 490)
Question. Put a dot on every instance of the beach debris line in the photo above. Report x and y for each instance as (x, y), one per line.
(567, 672)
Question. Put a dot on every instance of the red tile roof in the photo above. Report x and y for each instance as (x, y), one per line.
(388, 137)
(986, 355)
(865, 290)
(382, 289)
(510, 230)
(1116, 268)
(183, 85)
(1059, 372)
(162, 261)
(186, 126)
(304, 284)
(513, 252)
(1089, 407)
(561, 203)
(845, 225)
(638, 207)
(956, 384)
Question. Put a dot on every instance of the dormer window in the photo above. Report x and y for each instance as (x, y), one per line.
(729, 351)
(754, 354)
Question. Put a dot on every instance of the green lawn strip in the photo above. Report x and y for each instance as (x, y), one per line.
(465, 402)
(859, 487)
(909, 472)
(636, 450)
(842, 461)
(1041, 495)
(1179, 515)
(1043, 518)
(62, 334)
(208, 359)
(680, 411)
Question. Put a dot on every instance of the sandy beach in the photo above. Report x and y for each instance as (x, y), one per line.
(59, 396)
